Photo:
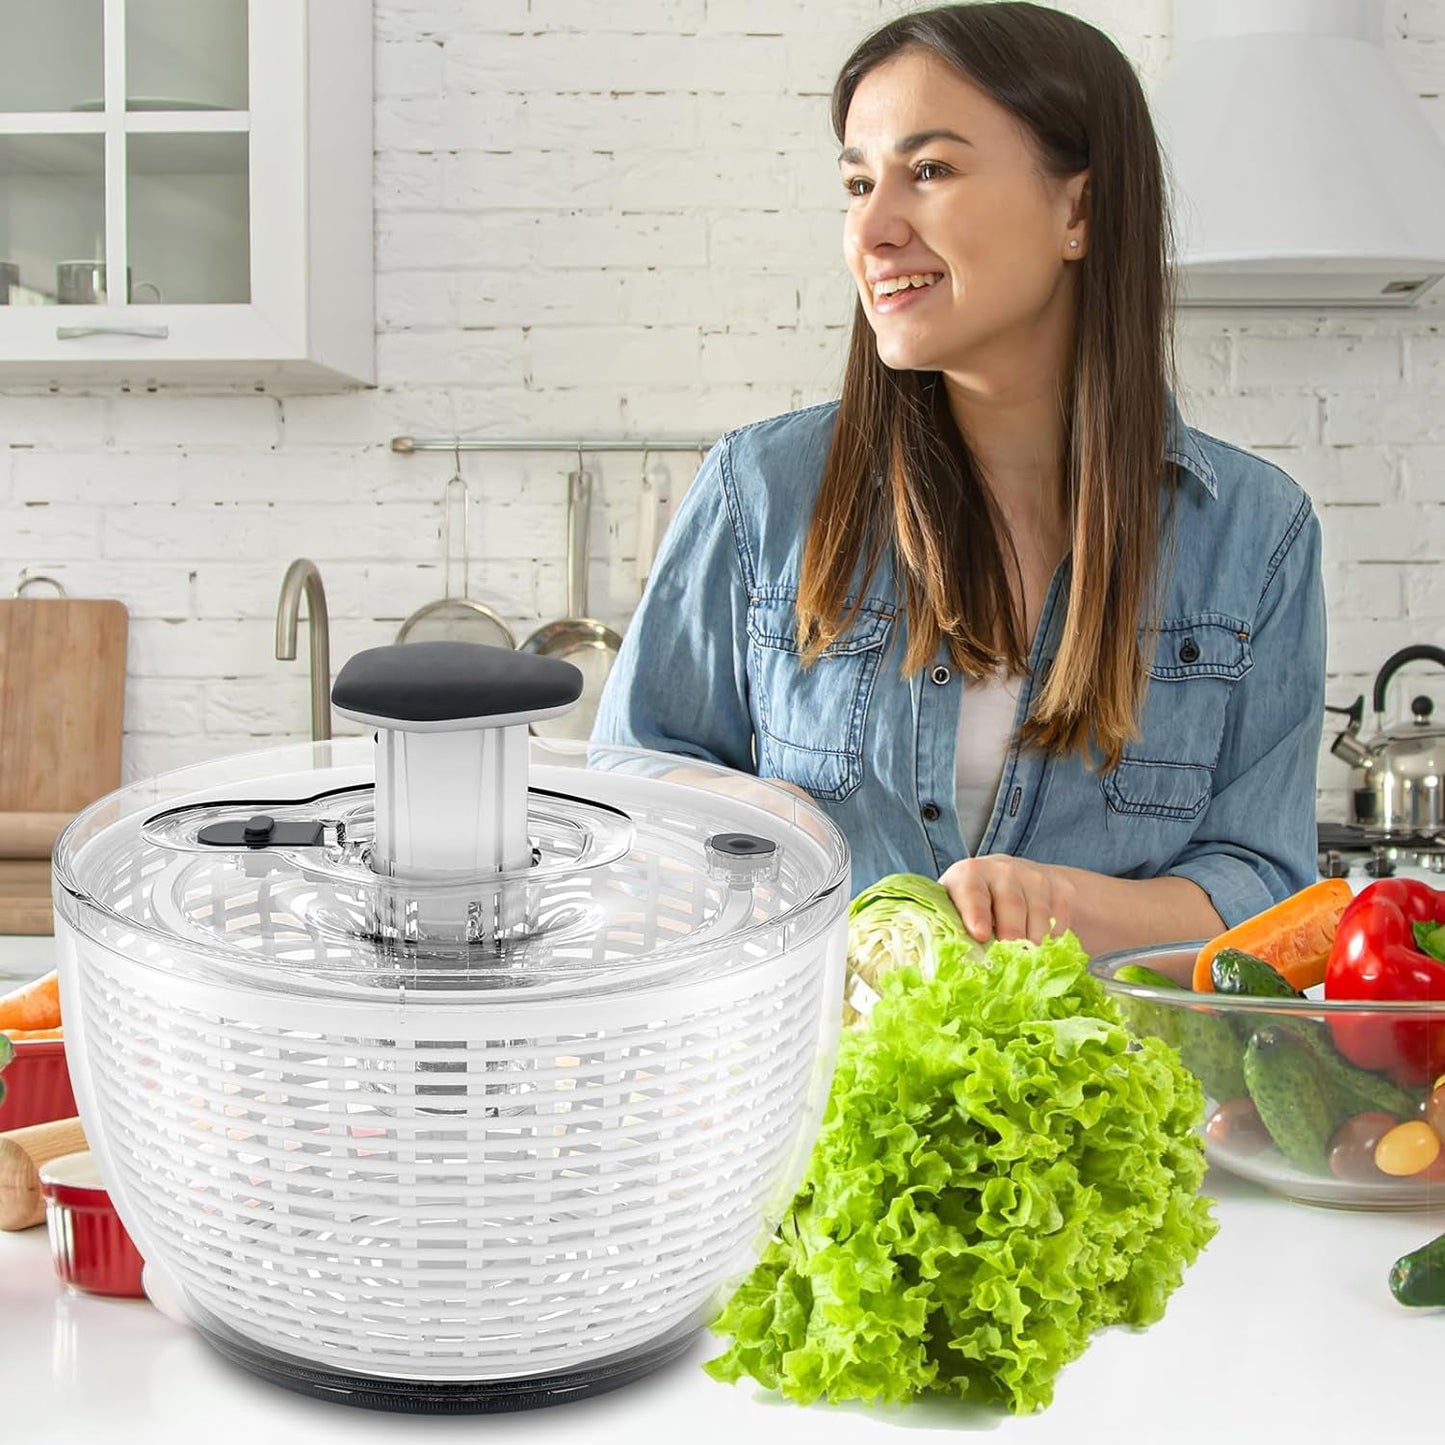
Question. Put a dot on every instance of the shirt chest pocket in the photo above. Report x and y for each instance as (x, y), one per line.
(810, 720)
(1169, 771)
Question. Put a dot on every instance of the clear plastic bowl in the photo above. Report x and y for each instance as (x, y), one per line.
(1284, 1102)
(458, 1143)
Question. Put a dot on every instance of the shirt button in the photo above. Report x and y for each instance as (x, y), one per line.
(1189, 650)
(941, 675)
(931, 812)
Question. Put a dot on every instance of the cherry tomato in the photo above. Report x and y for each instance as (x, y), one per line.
(1407, 1149)
(1432, 1173)
(1352, 1150)
(1435, 1109)
(1236, 1126)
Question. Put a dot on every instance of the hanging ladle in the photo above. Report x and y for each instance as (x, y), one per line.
(456, 618)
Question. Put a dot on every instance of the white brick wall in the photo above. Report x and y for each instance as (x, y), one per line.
(622, 219)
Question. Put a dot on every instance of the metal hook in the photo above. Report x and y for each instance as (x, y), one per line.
(579, 488)
(647, 504)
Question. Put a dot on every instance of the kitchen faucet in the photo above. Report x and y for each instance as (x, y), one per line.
(302, 576)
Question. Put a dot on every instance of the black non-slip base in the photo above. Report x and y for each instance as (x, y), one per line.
(446, 1397)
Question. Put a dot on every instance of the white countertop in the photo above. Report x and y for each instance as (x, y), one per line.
(1284, 1330)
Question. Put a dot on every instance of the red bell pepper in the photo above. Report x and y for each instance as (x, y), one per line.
(1375, 957)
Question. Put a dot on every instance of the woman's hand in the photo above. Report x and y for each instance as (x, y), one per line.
(999, 896)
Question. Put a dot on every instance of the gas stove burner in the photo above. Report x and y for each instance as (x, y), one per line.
(1377, 852)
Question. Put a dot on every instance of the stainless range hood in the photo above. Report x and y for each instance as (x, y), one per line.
(1304, 173)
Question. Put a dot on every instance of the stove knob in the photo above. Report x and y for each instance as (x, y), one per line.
(1334, 865)
(1380, 864)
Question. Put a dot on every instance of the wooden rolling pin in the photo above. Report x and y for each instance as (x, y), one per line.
(30, 835)
(22, 1152)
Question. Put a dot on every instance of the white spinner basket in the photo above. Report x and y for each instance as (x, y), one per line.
(546, 1186)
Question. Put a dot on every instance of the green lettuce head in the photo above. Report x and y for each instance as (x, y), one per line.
(1000, 1172)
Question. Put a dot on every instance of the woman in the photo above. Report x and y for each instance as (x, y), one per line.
(1004, 615)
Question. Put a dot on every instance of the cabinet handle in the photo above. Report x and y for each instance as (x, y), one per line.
(152, 333)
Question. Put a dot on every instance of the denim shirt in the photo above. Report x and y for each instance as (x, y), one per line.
(1218, 788)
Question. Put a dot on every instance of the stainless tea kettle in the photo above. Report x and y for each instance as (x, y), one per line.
(1396, 785)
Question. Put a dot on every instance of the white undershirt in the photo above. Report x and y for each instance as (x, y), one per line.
(985, 728)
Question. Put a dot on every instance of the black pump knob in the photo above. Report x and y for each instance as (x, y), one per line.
(426, 685)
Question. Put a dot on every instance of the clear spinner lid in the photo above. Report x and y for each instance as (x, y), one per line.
(451, 853)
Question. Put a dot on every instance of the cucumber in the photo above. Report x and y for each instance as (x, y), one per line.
(1137, 973)
(1234, 971)
(1280, 1074)
(1210, 1050)
(1348, 1090)
(1418, 1279)
(1144, 1016)
(1208, 1046)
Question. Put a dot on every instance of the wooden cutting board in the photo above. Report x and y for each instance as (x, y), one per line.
(62, 712)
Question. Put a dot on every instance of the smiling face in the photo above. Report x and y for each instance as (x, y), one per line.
(957, 239)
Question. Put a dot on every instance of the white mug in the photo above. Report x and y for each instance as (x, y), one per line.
(83, 283)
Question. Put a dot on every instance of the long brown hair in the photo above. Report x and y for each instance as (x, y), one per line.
(900, 473)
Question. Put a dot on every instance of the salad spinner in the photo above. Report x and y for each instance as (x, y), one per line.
(450, 1068)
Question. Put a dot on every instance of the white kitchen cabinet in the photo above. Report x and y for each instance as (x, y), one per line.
(215, 152)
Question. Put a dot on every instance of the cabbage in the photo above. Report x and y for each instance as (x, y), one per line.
(999, 1173)
(900, 920)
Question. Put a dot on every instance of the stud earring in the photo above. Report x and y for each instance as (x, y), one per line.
(1073, 245)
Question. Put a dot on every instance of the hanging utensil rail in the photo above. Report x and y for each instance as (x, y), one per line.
(407, 445)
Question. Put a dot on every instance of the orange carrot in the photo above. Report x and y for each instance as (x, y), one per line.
(34, 1005)
(1294, 936)
(17, 1035)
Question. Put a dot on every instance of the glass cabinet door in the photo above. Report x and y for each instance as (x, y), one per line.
(124, 153)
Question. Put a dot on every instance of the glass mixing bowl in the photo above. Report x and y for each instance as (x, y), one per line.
(1285, 1105)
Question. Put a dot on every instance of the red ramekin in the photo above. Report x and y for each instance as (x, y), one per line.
(37, 1085)
(91, 1249)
